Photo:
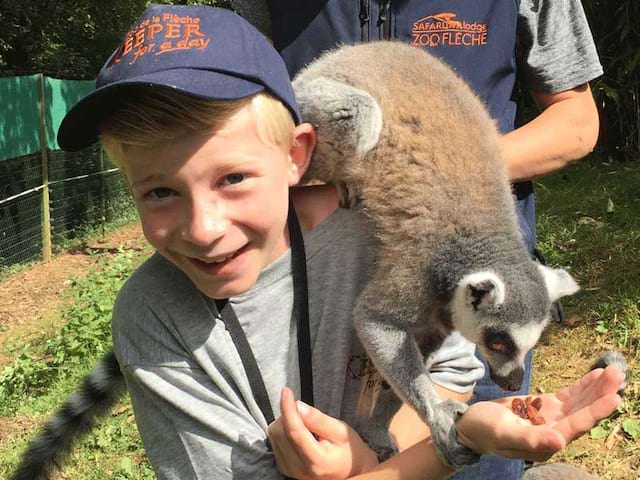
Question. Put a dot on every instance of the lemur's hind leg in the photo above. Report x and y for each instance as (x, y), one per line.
(395, 353)
(375, 429)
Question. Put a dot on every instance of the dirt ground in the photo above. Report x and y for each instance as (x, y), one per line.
(30, 298)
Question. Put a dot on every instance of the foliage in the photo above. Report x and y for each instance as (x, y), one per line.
(43, 375)
(581, 230)
(66, 38)
(85, 335)
(632, 428)
(616, 27)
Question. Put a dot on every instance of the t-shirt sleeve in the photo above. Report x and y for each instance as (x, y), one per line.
(555, 48)
(455, 366)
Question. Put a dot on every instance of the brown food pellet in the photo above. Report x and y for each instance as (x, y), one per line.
(528, 409)
(519, 408)
(537, 420)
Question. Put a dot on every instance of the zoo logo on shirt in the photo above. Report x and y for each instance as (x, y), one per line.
(445, 29)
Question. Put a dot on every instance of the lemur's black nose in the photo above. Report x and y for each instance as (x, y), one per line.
(511, 382)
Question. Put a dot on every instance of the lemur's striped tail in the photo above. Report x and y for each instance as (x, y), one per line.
(99, 392)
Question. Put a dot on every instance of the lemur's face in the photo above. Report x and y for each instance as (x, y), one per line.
(505, 351)
(505, 314)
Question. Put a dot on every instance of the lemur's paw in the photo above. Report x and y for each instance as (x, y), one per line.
(347, 195)
(376, 434)
(613, 358)
(445, 435)
(383, 452)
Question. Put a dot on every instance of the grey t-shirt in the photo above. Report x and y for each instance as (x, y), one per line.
(555, 48)
(191, 396)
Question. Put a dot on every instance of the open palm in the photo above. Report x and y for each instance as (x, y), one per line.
(492, 427)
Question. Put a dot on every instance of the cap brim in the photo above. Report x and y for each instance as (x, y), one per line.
(80, 126)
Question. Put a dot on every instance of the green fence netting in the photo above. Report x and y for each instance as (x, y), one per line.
(20, 119)
(85, 191)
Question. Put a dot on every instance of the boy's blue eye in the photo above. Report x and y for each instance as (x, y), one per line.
(160, 193)
(234, 178)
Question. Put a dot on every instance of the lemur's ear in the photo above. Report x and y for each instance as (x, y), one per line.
(348, 120)
(483, 290)
(558, 281)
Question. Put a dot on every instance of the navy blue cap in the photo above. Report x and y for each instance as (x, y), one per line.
(206, 52)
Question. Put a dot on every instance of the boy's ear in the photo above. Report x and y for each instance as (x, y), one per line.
(304, 142)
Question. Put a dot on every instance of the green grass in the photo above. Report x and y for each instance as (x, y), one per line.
(589, 219)
(45, 372)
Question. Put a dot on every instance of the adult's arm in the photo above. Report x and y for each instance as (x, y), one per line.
(557, 58)
(565, 131)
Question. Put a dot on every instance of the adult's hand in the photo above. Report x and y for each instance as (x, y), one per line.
(492, 427)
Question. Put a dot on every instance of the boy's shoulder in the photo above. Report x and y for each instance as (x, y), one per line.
(153, 277)
(153, 310)
(341, 240)
(317, 209)
(156, 285)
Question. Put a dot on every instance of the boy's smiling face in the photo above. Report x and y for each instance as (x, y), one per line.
(215, 206)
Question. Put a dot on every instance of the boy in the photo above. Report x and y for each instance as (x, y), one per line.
(197, 110)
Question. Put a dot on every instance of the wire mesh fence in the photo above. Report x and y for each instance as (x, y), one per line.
(85, 193)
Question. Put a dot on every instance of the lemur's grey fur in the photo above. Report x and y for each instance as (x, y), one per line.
(450, 257)
(401, 133)
(556, 471)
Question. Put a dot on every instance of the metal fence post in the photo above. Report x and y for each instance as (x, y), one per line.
(46, 217)
(103, 193)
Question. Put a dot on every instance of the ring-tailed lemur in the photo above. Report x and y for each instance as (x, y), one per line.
(422, 153)
(402, 134)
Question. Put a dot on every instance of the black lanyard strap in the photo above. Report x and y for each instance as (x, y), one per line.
(301, 312)
(301, 305)
(249, 362)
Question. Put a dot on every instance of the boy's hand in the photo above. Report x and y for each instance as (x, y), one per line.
(492, 427)
(311, 445)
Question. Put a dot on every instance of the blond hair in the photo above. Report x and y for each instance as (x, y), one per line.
(152, 118)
